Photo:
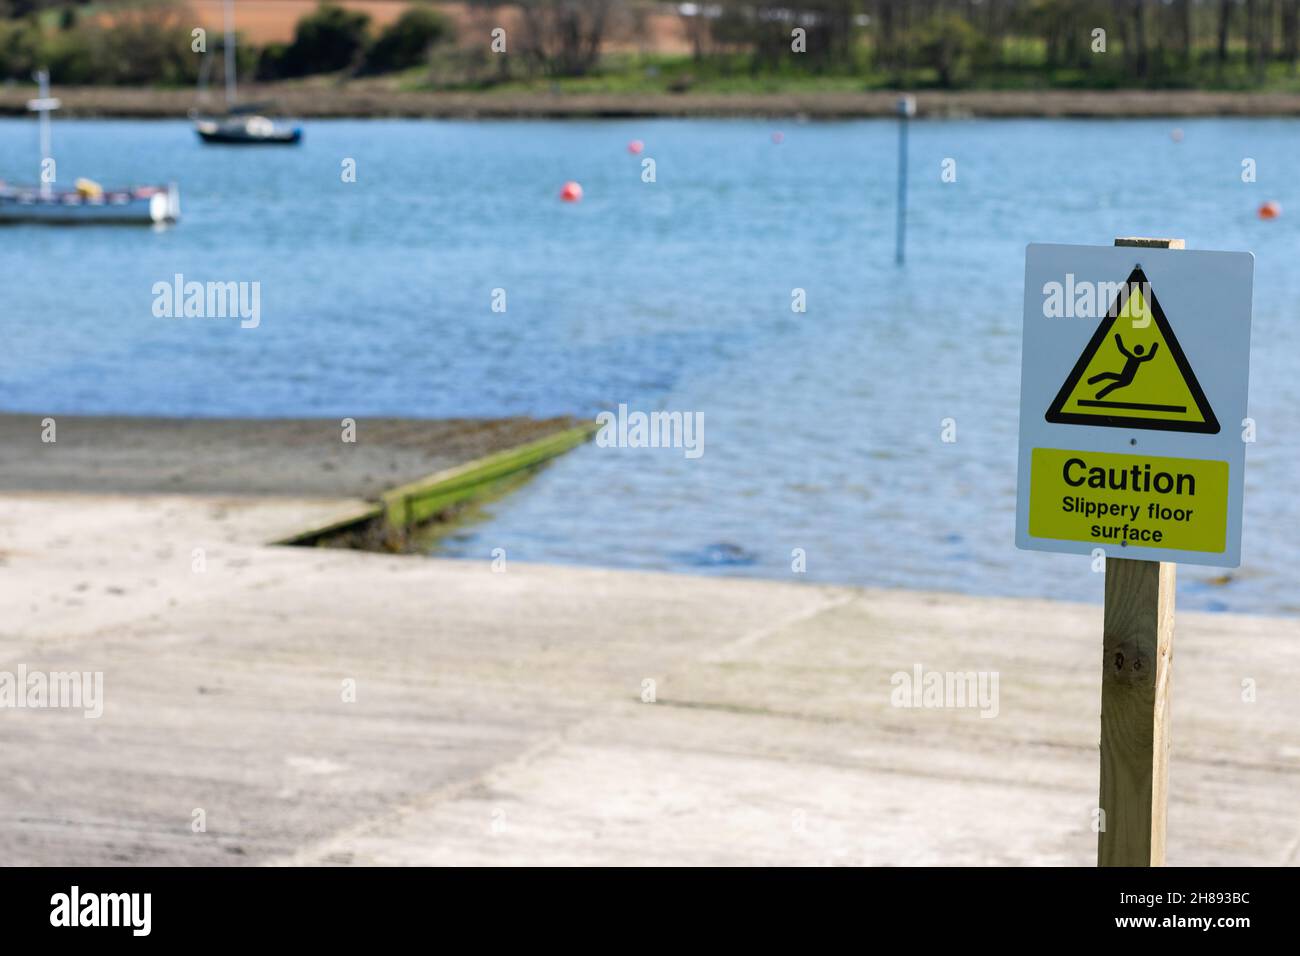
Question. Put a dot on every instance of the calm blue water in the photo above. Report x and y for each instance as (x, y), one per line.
(822, 430)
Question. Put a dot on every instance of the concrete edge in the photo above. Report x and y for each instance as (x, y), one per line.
(418, 501)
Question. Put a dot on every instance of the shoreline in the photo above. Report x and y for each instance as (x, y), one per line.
(403, 483)
(386, 484)
(271, 457)
(367, 100)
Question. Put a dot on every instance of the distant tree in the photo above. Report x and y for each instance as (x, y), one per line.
(1221, 31)
(330, 39)
(1265, 16)
(946, 43)
(1137, 56)
(1186, 29)
(828, 36)
(273, 62)
(141, 45)
(20, 50)
(885, 34)
(1066, 29)
(1291, 32)
(405, 42)
(18, 9)
(564, 36)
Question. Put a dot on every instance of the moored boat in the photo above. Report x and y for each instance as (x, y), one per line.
(141, 205)
(241, 126)
(246, 131)
(88, 203)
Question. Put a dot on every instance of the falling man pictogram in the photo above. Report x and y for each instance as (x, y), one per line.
(1133, 361)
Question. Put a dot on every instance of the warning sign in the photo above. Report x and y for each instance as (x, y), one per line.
(1129, 500)
(1134, 382)
(1134, 374)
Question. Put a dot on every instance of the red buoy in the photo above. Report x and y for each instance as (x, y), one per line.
(636, 147)
(572, 192)
(778, 137)
(1270, 210)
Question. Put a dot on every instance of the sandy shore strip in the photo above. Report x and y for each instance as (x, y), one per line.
(300, 458)
(373, 99)
(274, 705)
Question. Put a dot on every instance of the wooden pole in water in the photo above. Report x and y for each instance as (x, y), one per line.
(1136, 687)
(906, 110)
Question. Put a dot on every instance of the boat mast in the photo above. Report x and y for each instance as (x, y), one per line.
(228, 8)
(43, 105)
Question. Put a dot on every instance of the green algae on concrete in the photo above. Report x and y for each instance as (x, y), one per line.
(421, 500)
(389, 524)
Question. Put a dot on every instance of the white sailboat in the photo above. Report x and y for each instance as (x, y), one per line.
(241, 126)
(88, 202)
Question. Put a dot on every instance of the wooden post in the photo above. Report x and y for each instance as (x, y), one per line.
(1137, 660)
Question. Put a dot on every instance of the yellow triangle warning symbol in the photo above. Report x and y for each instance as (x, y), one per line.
(1133, 373)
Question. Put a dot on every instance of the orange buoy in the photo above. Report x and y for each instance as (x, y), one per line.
(636, 147)
(1270, 210)
(571, 192)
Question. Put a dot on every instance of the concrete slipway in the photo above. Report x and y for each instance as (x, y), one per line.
(499, 716)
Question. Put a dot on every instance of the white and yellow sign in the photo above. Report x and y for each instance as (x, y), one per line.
(1133, 402)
